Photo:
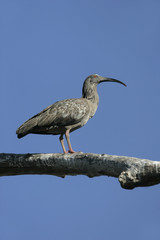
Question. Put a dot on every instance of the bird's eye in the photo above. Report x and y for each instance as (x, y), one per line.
(94, 76)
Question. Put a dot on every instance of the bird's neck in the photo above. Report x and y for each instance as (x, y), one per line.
(91, 94)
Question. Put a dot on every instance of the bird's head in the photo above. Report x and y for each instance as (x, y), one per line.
(92, 81)
(95, 79)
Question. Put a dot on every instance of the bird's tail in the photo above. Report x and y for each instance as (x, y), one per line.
(21, 131)
(20, 135)
(26, 128)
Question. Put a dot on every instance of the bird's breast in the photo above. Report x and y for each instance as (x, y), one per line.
(93, 108)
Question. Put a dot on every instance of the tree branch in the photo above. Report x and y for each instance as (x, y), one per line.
(131, 172)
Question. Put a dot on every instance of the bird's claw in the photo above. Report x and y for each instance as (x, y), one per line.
(71, 151)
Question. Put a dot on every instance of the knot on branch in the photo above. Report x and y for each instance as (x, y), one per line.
(128, 179)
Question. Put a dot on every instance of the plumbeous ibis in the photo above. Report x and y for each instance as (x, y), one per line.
(67, 115)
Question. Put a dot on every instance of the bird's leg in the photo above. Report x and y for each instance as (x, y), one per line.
(62, 143)
(69, 143)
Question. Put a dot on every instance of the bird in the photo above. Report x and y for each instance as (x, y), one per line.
(66, 116)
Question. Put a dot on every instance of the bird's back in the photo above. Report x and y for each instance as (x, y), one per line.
(57, 117)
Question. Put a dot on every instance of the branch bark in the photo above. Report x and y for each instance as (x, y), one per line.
(132, 172)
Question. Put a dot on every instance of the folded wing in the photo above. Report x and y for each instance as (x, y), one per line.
(63, 113)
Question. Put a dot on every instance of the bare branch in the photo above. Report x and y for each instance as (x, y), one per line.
(131, 172)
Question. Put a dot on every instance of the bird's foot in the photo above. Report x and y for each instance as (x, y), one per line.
(65, 152)
(71, 151)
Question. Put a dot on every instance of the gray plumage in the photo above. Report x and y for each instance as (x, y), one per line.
(67, 115)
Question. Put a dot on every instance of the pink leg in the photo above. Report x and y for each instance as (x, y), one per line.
(69, 143)
(62, 143)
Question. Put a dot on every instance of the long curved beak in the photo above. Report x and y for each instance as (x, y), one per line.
(105, 79)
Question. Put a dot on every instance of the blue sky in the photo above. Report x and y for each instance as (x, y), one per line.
(47, 50)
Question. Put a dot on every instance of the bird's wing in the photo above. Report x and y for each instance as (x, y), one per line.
(63, 113)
